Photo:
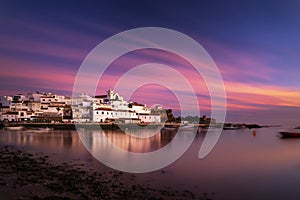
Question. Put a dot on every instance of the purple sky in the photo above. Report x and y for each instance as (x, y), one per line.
(255, 45)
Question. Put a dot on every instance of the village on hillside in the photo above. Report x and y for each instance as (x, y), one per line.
(48, 107)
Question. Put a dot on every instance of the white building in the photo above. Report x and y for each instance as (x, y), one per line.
(82, 107)
(139, 108)
(117, 109)
(48, 106)
(102, 115)
(145, 118)
(15, 106)
(16, 116)
(10, 116)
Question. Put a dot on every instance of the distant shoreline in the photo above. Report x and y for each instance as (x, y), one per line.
(115, 126)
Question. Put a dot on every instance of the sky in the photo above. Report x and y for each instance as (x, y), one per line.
(255, 45)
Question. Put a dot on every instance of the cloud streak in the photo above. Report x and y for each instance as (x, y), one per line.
(48, 57)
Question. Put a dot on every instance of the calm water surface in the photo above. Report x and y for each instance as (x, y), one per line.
(242, 165)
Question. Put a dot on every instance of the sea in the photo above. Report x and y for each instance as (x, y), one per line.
(244, 163)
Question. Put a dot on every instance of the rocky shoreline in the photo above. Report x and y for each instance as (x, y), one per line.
(34, 176)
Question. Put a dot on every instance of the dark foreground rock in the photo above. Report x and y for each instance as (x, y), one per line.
(27, 176)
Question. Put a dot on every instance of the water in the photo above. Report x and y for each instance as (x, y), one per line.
(242, 165)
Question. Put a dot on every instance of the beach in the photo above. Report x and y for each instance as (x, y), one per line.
(33, 176)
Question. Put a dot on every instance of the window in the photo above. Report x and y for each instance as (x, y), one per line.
(97, 112)
(102, 113)
(107, 112)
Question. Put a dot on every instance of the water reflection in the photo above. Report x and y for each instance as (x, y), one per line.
(129, 142)
(131, 154)
(51, 139)
(70, 139)
(243, 165)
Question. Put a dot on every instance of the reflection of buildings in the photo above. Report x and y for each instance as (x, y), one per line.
(60, 139)
(128, 142)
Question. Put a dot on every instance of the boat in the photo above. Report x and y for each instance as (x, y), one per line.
(43, 129)
(14, 128)
(230, 128)
(187, 128)
(290, 134)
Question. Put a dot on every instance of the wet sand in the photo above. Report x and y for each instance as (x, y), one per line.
(34, 176)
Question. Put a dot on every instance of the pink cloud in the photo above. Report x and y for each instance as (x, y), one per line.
(236, 67)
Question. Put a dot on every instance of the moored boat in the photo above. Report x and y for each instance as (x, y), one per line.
(188, 128)
(290, 134)
(230, 128)
(44, 129)
(14, 128)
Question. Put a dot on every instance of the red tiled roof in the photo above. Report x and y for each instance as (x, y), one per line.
(108, 109)
(137, 104)
(142, 114)
(101, 96)
(45, 97)
(11, 113)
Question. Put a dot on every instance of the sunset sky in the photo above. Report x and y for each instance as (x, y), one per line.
(255, 44)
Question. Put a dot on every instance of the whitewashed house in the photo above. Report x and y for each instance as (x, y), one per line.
(25, 115)
(82, 108)
(146, 118)
(102, 115)
(15, 106)
(10, 116)
(115, 108)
